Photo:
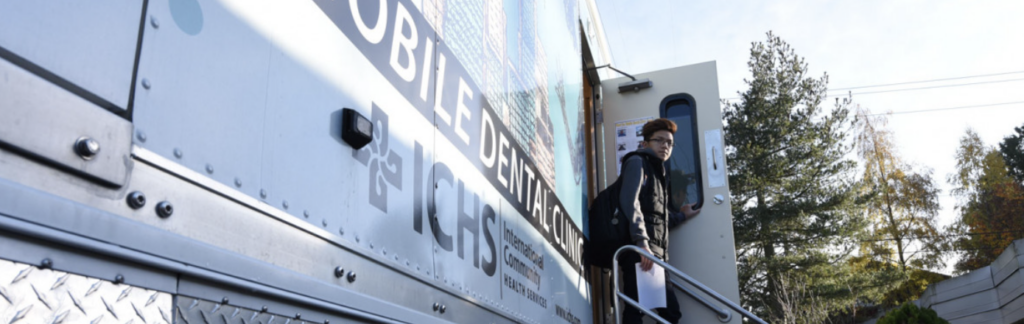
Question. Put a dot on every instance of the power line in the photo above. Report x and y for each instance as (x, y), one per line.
(945, 235)
(622, 39)
(929, 87)
(921, 81)
(948, 108)
(906, 252)
(927, 81)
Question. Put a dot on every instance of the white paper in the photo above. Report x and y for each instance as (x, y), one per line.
(715, 158)
(628, 136)
(650, 287)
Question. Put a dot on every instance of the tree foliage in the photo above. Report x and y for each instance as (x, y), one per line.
(911, 314)
(915, 283)
(793, 193)
(990, 204)
(1012, 148)
(798, 301)
(905, 203)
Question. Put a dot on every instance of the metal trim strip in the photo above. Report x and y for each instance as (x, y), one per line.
(157, 161)
(14, 224)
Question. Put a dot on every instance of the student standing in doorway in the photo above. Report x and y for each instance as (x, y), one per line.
(644, 199)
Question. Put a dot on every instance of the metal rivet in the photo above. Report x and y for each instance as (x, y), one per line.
(435, 249)
(145, 83)
(298, 316)
(351, 276)
(224, 300)
(178, 153)
(324, 222)
(338, 272)
(263, 193)
(443, 308)
(284, 204)
(264, 309)
(371, 245)
(164, 209)
(238, 182)
(327, 321)
(305, 213)
(118, 279)
(357, 238)
(209, 168)
(136, 200)
(155, 23)
(384, 251)
(139, 135)
(341, 230)
(437, 306)
(87, 148)
(46, 263)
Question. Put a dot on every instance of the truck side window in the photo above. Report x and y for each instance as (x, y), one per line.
(684, 165)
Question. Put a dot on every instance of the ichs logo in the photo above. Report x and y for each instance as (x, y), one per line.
(385, 165)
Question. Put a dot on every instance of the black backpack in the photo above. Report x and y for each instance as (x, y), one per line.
(609, 228)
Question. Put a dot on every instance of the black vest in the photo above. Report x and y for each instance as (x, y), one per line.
(654, 204)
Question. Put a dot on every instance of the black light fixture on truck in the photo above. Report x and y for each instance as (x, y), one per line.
(356, 130)
(635, 85)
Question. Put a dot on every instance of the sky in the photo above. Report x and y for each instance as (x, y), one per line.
(858, 43)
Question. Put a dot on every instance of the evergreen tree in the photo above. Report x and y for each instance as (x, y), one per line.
(911, 314)
(1012, 149)
(793, 193)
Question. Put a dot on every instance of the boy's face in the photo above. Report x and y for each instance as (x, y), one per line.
(661, 142)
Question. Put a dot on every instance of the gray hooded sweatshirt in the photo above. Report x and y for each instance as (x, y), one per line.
(633, 178)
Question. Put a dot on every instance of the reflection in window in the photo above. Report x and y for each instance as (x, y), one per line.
(683, 166)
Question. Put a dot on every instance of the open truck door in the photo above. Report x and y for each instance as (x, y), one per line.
(702, 247)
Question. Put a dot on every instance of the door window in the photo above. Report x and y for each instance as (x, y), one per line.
(683, 167)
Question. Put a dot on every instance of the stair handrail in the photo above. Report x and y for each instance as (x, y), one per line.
(693, 282)
(724, 315)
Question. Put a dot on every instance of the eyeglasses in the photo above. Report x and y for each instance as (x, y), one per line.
(662, 141)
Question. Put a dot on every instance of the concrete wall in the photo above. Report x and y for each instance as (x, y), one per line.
(988, 295)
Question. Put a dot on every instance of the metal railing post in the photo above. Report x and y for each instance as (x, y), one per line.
(672, 270)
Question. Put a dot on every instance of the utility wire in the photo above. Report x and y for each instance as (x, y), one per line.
(926, 81)
(622, 39)
(945, 235)
(948, 108)
(953, 250)
(917, 82)
(925, 88)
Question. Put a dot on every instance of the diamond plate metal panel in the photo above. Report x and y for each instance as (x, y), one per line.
(32, 295)
(197, 311)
